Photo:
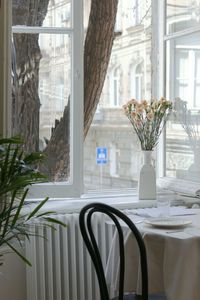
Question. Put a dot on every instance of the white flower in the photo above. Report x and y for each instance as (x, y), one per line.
(150, 115)
(142, 114)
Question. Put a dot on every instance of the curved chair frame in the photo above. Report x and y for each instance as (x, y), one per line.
(91, 244)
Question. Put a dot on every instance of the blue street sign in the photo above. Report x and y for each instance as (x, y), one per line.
(101, 157)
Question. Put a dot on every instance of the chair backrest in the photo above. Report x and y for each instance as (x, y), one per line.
(85, 223)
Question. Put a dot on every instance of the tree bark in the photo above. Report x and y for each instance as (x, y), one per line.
(26, 57)
(57, 164)
(26, 104)
(97, 51)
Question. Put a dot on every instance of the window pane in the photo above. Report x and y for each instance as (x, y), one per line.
(183, 131)
(41, 93)
(52, 13)
(182, 14)
(54, 93)
(128, 76)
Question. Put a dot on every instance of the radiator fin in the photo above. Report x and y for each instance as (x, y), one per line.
(61, 266)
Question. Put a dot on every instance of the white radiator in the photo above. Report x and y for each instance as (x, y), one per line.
(61, 267)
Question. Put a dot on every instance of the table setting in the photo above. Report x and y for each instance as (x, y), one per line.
(173, 250)
(178, 219)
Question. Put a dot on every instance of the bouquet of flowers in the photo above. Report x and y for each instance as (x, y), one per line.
(148, 119)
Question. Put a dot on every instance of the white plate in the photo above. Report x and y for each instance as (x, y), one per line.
(168, 222)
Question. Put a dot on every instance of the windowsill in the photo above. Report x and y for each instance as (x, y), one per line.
(125, 201)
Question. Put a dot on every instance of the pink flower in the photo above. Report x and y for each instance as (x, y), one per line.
(150, 115)
(144, 103)
(142, 113)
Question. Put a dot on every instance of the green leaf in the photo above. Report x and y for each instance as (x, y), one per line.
(56, 221)
(34, 157)
(11, 140)
(21, 204)
(46, 213)
(19, 254)
(13, 161)
(4, 167)
(37, 208)
(8, 214)
(17, 171)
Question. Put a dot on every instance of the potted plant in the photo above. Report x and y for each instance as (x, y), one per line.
(17, 172)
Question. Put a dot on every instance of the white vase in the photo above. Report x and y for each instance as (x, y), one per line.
(147, 179)
(193, 172)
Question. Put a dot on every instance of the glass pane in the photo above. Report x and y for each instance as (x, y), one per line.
(183, 85)
(182, 14)
(41, 91)
(129, 75)
(133, 13)
(48, 13)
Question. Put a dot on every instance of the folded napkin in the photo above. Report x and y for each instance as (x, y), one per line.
(174, 211)
(180, 186)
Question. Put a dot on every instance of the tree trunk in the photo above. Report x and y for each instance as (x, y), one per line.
(26, 104)
(26, 58)
(98, 46)
(57, 165)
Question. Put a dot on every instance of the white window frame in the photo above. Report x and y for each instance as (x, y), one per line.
(158, 65)
(159, 40)
(61, 189)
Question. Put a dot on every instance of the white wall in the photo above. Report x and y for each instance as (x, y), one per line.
(12, 278)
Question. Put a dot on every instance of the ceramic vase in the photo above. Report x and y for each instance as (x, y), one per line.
(193, 172)
(147, 178)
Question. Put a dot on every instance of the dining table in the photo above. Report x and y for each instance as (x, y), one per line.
(173, 253)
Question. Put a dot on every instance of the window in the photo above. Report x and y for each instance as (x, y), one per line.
(183, 14)
(114, 160)
(47, 67)
(128, 75)
(136, 81)
(115, 87)
(185, 53)
(182, 85)
(133, 12)
(118, 23)
(47, 63)
(47, 89)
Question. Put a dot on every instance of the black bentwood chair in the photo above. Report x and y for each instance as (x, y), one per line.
(91, 244)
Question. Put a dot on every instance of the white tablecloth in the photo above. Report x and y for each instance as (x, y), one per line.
(173, 260)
